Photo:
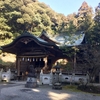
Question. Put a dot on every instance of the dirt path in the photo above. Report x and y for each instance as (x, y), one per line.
(43, 93)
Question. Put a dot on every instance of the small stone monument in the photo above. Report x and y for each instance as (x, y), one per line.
(57, 83)
(31, 79)
(41, 75)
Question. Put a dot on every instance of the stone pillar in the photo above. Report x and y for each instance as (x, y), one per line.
(1, 75)
(9, 75)
(87, 77)
(51, 78)
(60, 76)
(41, 77)
(72, 78)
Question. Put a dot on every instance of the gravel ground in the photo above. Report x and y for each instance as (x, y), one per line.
(43, 93)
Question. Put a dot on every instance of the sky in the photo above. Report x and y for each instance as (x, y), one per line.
(69, 6)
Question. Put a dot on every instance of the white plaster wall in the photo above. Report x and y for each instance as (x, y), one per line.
(6, 75)
(48, 78)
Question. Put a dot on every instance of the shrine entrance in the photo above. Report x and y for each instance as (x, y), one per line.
(25, 62)
(36, 62)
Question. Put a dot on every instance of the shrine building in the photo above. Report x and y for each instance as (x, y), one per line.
(41, 52)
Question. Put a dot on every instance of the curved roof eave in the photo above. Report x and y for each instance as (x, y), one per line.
(75, 40)
(44, 34)
(34, 38)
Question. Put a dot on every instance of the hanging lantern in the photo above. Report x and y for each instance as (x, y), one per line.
(23, 59)
(28, 59)
(33, 59)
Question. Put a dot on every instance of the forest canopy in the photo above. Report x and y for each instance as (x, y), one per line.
(16, 16)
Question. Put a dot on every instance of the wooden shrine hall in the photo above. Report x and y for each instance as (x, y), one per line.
(41, 52)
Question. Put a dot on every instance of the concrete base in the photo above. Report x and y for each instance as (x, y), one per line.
(31, 85)
(31, 82)
(57, 86)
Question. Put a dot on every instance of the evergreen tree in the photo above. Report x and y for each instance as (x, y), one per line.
(84, 17)
(96, 31)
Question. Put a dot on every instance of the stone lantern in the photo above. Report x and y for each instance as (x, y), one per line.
(56, 81)
(31, 80)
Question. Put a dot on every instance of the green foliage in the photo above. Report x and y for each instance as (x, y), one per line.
(68, 67)
(69, 51)
(72, 88)
(34, 16)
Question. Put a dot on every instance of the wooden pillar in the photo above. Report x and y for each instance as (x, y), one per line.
(16, 62)
(74, 61)
(99, 77)
(18, 66)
